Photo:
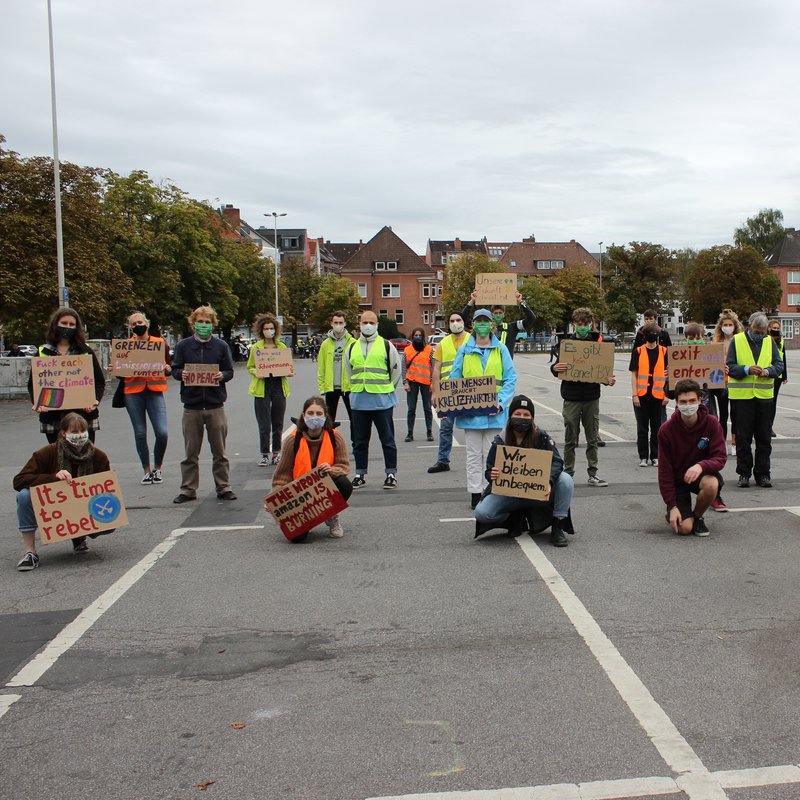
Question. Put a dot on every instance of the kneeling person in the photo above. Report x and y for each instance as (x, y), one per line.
(691, 448)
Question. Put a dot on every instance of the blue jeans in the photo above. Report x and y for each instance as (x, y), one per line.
(445, 440)
(495, 508)
(25, 516)
(362, 430)
(153, 405)
(411, 398)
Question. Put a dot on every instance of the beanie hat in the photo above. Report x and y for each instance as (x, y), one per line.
(521, 401)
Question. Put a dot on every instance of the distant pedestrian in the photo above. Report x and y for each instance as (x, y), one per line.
(553, 341)
(269, 394)
(727, 326)
(331, 374)
(648, 368)
(775, 333)
(506, 332)
(417, 369)
(651, 316)
(14, 351)
(204, 406)
(314, 444)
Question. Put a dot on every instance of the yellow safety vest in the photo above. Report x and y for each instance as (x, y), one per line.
(449, 351)
(472, 367)
(751, 386)
(370, 375)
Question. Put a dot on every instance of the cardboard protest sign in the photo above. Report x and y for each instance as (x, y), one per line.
(63, 382)
(467, 396)
(137, 358)
(200, 374)
(90, 504)
(524, 472)
(588, 361)
(704, 363)
(304, 503)
(273, 362)
(496, 288)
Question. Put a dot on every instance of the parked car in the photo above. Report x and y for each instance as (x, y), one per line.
(436, 338)
(400, 344)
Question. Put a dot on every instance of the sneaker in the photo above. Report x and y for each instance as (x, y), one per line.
(228, 495)
(718, 505)
(430, 436)
(601, 443)
(474, 499)
(183, 498)
(732, 450)
(439, 466)
(409, 438)
(28, 562)
(390, 482)
(335, 526)
(764, 482)
(359, 481)
(654, 462)
(700, 528)
(80, 545)
(744, 482)
(157, 476)
(595, 481)
(265, 461)
(276, 458)
(147, 479)
(643, 462)
(557, 537)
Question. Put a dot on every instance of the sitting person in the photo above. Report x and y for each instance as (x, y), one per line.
(71, 456)
(494, 509)
(692, 453)
(315, 444)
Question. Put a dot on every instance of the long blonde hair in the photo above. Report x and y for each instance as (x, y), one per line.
(725, 315)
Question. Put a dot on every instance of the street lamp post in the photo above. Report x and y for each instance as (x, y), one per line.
(63, 295)
(601, 274)
(275, 215)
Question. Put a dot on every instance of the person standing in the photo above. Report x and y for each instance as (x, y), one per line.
(582, 403)
(269, 394)
(144, 397)
(650, 317)
(553, 341)
(443, 358)
(66, 336)
(506, 332)
(691, 457)
(332, 377)
(373, 370)
(483, 355)
(753, 363)
(204, 406)
(417, 370)
(775, 333)
(727, 326)
(648, 370)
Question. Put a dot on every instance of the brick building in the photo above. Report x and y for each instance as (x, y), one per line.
(529, 257)
(784, 260)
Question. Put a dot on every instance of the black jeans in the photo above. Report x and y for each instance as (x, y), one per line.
(270, 410)
(332, 404)
(719, 398)
(362, 430)
(344, 486)
(753, 420)
(648, 416)
(775, 401)
(416, 389)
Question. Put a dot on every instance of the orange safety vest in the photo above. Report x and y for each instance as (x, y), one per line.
(659, 373)
(159, 384)
(302, 454)
(418, 364)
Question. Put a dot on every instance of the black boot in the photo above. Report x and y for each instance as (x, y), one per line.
(476, 498)
(557, 538)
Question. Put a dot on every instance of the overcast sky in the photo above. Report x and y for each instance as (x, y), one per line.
(668, 121)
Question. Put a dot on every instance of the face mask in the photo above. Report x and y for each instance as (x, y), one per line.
(269, 333)
(456, 327)
(78, 439)
(775, 334)
(483, 328)
(695, 341)
(582, 330)
(727, 329)
(757, 337)
(652, 337)
(417, 342)
(498, 318)
(520, 424)
(369, 328)
(66, 333)
(139, 330)
(203, 329)
(338, 328)
(314, 423)
(690, 410)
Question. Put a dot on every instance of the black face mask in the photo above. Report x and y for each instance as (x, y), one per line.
(521, 424)
(651, 337)
(139, 330)
(66, 333)
(775, 334)
(417, 342)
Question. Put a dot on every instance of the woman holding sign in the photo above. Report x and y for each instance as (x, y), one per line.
(71, 456)
(495, 509)
(269, 394)
(144, 397)
(66, 336)
(316, 444)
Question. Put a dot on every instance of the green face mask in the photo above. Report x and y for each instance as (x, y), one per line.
(583, 330)
(203, 329)
(483, 328)
(695, 341)
(498, 318)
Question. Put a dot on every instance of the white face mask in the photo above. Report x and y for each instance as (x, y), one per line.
(690, 410)
(727, 329)
(456, 327)
(314, 423)
(78, 439)
(338, 328)
(369, 328)
(269, 333)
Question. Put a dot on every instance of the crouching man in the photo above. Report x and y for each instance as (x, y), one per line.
(692, 453)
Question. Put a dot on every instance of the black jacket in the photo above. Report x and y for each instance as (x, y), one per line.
(580, 390)
(543, 442)
(193, 351)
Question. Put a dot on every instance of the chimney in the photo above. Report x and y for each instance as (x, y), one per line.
(530, 240)
(572, 241)
(232, 217)
(457, 243)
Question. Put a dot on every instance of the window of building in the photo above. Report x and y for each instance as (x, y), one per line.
(787, 330)
(439, 290)
(383, 313)
(793, 277)
(390, 290)
(427, 289)
(426, 317)
(290, 243)
(391, 266)
(549, 264)
(362, 290)
(794, 300)
(444, 258)
(495, 251)
(398, 316)
(513, 263)
(380, 266)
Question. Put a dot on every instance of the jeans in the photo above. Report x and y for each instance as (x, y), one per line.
(270, 411)
(332, 404)
(753, 419)
(648, 416)
(411, 397)
(495, 508)
(153, 405)
(362, 431)
(445, 440)
(215, 423)
(25, 516)
(575, 413)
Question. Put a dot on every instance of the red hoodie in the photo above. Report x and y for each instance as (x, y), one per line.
(680, 447)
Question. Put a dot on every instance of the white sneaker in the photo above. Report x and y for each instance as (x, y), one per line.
(335, 526)
(643, 462)
(595, 481)
(654, 462)
(157, 476)
(265, 461)
(731, 450)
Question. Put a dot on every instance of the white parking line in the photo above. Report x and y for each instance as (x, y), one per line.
(790, 509)
(6, 701)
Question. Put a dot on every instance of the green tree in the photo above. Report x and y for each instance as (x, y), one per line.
(460, 280)
(388, 328)
(730, 277)
(579, 288)
(545, 300)
(335, 294)
(645, 273)
(254, 284)
(621, 314)
(299, 284)
(762, 231)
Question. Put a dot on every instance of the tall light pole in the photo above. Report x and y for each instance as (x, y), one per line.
(63, 296)
(601, 266)
(275, 215)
